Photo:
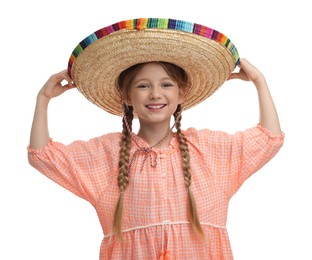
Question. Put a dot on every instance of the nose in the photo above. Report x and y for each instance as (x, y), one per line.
(155, 93)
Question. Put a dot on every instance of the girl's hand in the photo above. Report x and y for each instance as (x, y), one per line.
(247, 72)
(54, 87)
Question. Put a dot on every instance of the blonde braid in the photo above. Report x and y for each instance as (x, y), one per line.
(123, 178)
(192, 209)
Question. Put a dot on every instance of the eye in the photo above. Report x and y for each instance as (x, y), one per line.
(167, 84)
(142, 86)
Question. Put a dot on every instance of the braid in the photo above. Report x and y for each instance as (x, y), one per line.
(192, 209)
(123, 178)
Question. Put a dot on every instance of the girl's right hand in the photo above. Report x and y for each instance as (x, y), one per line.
(54, 87)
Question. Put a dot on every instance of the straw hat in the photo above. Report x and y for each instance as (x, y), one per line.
(207, 56)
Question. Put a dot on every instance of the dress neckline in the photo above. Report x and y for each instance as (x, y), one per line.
(173, 143)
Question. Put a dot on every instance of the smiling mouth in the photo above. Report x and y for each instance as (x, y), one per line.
(155, 107)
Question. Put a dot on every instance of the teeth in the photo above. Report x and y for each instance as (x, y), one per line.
(155, 106)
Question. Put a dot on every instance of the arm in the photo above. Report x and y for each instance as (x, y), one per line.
(268, 114)
(39, 135)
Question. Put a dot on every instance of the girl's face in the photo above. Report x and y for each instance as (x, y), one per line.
(154, 95)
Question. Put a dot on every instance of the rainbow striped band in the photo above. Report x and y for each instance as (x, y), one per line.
(156, 23)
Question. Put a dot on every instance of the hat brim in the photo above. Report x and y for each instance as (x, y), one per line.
(207, 56)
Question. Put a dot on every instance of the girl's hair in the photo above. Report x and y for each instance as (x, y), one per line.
(124, 82)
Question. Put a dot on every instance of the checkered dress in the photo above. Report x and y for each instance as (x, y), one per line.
(155, 202)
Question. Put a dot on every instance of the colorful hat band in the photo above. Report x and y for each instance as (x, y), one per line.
(158, 23)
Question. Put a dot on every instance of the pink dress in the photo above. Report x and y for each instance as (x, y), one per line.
(155, 204)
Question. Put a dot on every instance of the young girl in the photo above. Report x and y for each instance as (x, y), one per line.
(158, 193)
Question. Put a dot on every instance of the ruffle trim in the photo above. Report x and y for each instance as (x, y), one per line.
(40, 150)
(281, 136)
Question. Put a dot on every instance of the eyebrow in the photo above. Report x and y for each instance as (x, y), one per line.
(146, 79)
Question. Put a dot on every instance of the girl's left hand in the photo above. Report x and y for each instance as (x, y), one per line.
(247, 72)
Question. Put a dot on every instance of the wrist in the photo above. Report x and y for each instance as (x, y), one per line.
(42, 99)
(260, 82)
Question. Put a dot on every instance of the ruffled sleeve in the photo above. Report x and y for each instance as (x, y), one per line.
(82, 167)
(233, 158)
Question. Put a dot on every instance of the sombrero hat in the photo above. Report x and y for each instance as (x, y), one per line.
(207, 56)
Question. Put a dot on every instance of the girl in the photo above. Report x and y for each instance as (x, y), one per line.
(158, 193)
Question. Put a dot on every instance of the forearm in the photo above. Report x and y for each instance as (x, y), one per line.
(39, 135)
(268, 116)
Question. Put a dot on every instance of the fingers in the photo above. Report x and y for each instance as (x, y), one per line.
(68, 78)
(59, 77)
(242, 62)
(239, 75)
(55, 86)
(234, 75)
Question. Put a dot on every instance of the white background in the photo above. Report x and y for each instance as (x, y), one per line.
(270, 216)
